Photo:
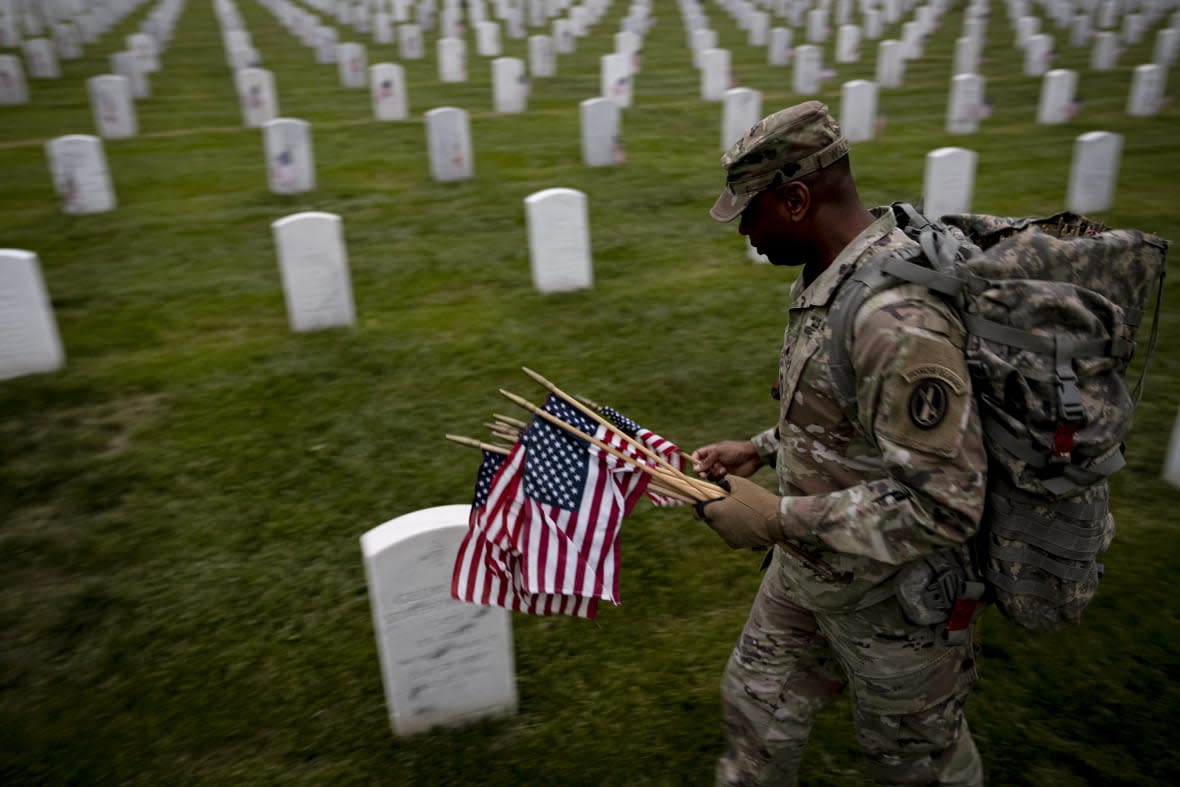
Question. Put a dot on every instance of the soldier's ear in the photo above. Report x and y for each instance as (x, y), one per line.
(794, 199)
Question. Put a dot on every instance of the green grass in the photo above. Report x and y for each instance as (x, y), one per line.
(183, 598)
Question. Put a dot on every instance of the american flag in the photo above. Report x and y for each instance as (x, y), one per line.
(668, 450)
(487, 570)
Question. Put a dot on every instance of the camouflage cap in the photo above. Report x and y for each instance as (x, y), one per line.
(790, 144)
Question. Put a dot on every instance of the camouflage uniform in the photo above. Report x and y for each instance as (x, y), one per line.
(907, 481)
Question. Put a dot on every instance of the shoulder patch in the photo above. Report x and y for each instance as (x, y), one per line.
(924, 404)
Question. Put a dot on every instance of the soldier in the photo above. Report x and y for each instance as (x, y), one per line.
(862, 503)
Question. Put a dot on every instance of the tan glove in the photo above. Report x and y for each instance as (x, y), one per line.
(747, 518)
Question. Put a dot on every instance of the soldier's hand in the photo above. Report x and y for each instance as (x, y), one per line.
(729, 457)
(748, 517)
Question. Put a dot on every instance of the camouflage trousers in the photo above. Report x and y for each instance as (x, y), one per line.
(907, 690)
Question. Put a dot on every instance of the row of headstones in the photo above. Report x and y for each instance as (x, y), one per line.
(69, 26)
(135, 63)
(313, 264)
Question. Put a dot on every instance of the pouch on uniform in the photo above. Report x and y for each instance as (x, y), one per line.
(1051, 307)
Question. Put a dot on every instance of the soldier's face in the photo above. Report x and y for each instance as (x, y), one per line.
(770, 231)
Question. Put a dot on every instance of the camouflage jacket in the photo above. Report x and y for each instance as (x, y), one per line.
(911, 479)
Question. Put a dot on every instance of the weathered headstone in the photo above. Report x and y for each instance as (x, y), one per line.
(290, 165)
(542, 57)
(80, 175)
(778, 52)
(127, 64)
(615, 80)
(602, 144)
(966, 106)
(409, 42)
(1094, 172)
(559, 240)
(351, 66)
(714, 74)
(741, 109)
(13, 87)
(1057, 104)
(448, 136)
(29, 341)
(452, 60)
(510, 85)
(858, 110)
(890, 64)
(443, 662)
(1147, 90)
(949, 182)
(388, 86)
(313, 264)
(848, 44)
(805, 78)
(41, 59)
(1105, 51)
(256, 94)
(112, 106)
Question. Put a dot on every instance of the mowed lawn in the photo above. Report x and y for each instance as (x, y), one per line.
(182, 597)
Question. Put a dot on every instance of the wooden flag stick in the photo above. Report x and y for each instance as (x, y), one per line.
(703, 486)
(467, 441)
(672, 479)
(503, 432)
(521, 425)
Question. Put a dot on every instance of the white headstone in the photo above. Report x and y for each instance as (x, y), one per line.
(615, 80)
(382, 29)
(890, 64)
(779, 50)
(1038, 51)
(256, 94)
(1094, 172)
(1132, 28)
(510, 85)
(452, 60)
(290, 165)
(966, 56)
(559, 240)
(808, 62)
(602, 143)
(949, 182)
(29, 341)
(409, 42)
(1057, 103)
(858, 110)
(1105, 51)
(41, 59)
(741, 109)
(758, 25)
(628, 45)
(13, 87)
(127, 64)
(443, 662)
(1079, 30)
(80, 175)
(325, 45)
(112, 106)
(1026, 27)
(487, 39)
(1167, 42)
(874, 24)
(848, 44)
(967, 104)
(1172, 460)
(351, 67)
(563, 36)
(542, 57)
(912, 41)
(1147, 91)
(714, 74)
(144, 47)
(68, 41)
(313, 264)
(448, 134)
(703, 39)
(388, 85)
(817, 25)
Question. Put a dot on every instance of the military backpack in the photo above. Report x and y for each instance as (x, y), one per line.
(1051, 307)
